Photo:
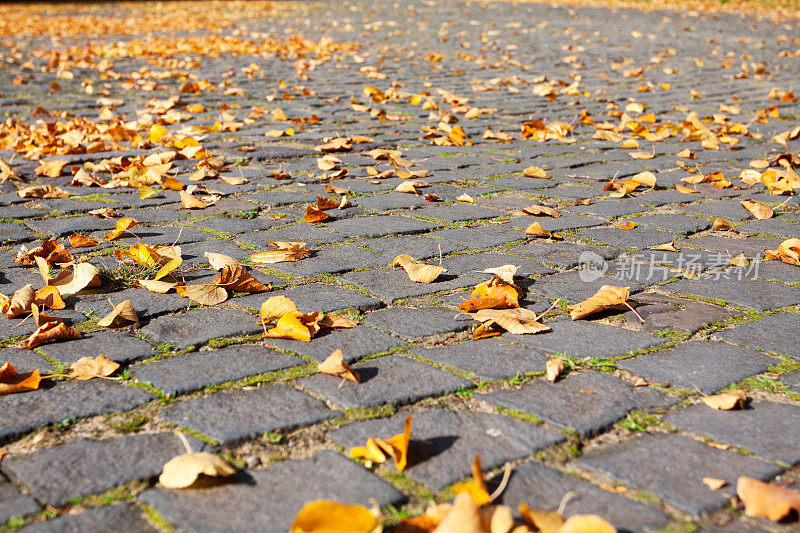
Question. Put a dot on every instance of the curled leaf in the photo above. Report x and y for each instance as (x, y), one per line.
(21, 301)
(725, 401)
(275, 307)
(324, 516)
(206, 294)
(555, 367)
(49, 297)
(607, 297)
(788, 251)
(492, 294)
(92, 367)
(476, 487)
(286, 251)
(759, 210)
(237, 278)
(314, 214)
(417, 271)
(80, 241)
(537, 230)
(767, 501)
(335, 366)
(122, 315)
(81, 276)
(12, 382)
(123, 225)
(184, 470)
(50, 332)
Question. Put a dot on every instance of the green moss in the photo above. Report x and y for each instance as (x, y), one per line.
(127, 424)
(159, 521)
(519, 414)
(407, 485)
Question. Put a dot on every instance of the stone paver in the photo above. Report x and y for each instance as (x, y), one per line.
(233, 416)
(671, 467)
(269, 499)
(753, 427)
(265, 92)
(444, 442)
(82, 467)
(586, 402)
(388, 380)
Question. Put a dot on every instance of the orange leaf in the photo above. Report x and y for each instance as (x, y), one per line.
(788, 251)
(192, 202)
(50, 297)
(492, 294)
(725, 401)
(12, 382)
(476, 487)
(289, 326)
(314, 214)
(123, 225)
(606, 297)
(767, 501)
(335, 366)
(236, 278)
(51, 169)
(88, 367)
(50, 332)
(80, 241)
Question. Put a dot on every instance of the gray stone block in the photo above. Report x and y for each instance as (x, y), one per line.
(775, 333)
(115, 345)
(747, 292)
(488, 359)
(120, 516)
(393, 284)
(378, 226)
(14, 503)
(411, 323)
(200, 326)
(355, 343)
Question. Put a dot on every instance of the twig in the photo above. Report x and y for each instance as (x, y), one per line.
(185, 441)
(553, 306)
(502, 486)
(634, 311)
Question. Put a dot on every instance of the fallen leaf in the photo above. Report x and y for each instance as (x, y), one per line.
(42, 191)
(236, 278)
(464, 517)
(555, 367)
(668, 247)
(92, 367)
(759, 210)
(541, 210)
(12, 382)
(286, 251)
(534, 172)
(586, 523)
(79, 241)
(725, 401)
(289, 326)
(102, 212)
(492, 294)
(49, 297)
(417, 271)
(541, 520)
(721, 224)
(641, 155)
(334, 365)
(505, 273)
(628, 225)
(50, 251)
(204, 294)
(190, 201)
(324, 516)
(123, 314)
(714, 483)
(410, 186)
(645, 179)
(518, 321)
(184, 470)
(21, 301)
(607, 297)
(788, 251)
(739, 260)
(337, 322)
(767, 501)
(123, 225)
(314, 214)
(476, 487)
(275, 307)
(167, 268)
(74, 280)
(160, 287)
(51, 169)
(465, 198)
(50, 332)
(324, 204)
(684, 189)
(537, 230)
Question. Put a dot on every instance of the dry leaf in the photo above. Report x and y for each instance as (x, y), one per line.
(417, 271)
(788, 251)
(88, 367)
(476, 487)
(714, 483)
(42, 191)
(51, 169)
(287, 251)
(238, 279)
(324, 204)
(168, 268)
(767, 501)
(21, 301)
(668, 247)
(739, 260)
(324, 516)
(395, 447)
(79, 241)
(645, 179)
(335, 366)
(192, 202)
(555, 367)
(205, 294)
(505, 273)
(50, 332)
(12, 382)
(50, 251)
(492, 294)
(684, 189)
(725, 401)
(586, 523)
(49, 297)
(102, 212)
(123, 225)
(628, 225)
(607, 297)
(289, 326)
(81, 276)
(541, 210)
(759, 210)
(275, 307)
(541, 520)
(184, 470)
(535, 172)
(123, 314)
(518, 321)
(464, 517)
(537, 230)
(465, 198)
(721, 224)
(314, 214)
(160, 287)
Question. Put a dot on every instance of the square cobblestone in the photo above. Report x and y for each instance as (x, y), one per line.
(775, 333)
(35, 409)
(200, 326)
(378, 226)
(82, 467)
(444, 442)
(15, 503)
(332, 261)
(566, 221)
(458, 213)
(671, 467)
(314, 297)
(564, 254)
(187, 372)
(755, 294)
(640, 237)
(388, 380)
(268, 500)
(355, 343)
(239, 415)
(489, 359)
(298, 232)
(753, 428)
(115, 345)
(411, 323)
(25, 361)
(587, 402)
(119, 516)
(706, 365)
(393, 284)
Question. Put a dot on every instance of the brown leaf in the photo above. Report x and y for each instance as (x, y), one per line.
(184, 470)
(21, 301)
(721, 224)
(192, 202)
(541, 520)
(607, 297)
(102, 212)
(123, 225)
(12, 382)
(410, 186)
(541, 210)
(788, 251)
(7, 173)
(537, 230)
(287, 251)
(80, 241)
(204, 294)
(767, 501)
(50, 332)
(725, 401)
(555, 367)
(314, 214)
(123, 314)
(92, 367)
(684, 189)
(51, 251)
(49, 297)
(417, 271)
(236, 278)
(518, 321)
(160, 287)
(335, 366)
(42, 191)
(323, 204)
(668, 247)
(535, 172)
(74, 280)
(759, 210)
(628, 225)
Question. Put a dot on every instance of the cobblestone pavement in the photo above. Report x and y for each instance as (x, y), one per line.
(85, 455)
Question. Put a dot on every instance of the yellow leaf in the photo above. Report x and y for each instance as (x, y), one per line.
(555, 367)
(788, 251)
(335, 366)
(767, 501)
(12, 382)
(49, 297)
(81, 276)
(168, 268)
(537, 230)
(586, 523)
(289, 327)
(541, 520)
(204, 294)
(275, 307)
(725, 401)
(157, 133)
(759, 210)
(122, 315)
(668, 247)
(684, 189)
(714, 483)
(160, 287)
(534, 172)
(607, 297)
(324, 516)
(192, 202)
(184, 470)
(123, 225)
